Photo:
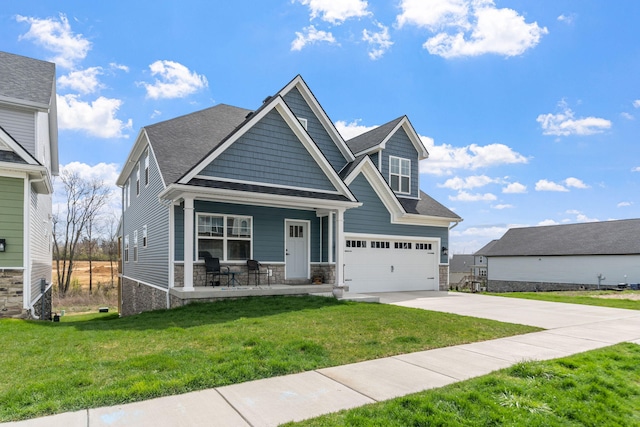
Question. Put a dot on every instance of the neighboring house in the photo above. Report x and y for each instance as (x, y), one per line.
(460, 270)
(28, 159)
(279, 185)
(562, 257)
(480, 261)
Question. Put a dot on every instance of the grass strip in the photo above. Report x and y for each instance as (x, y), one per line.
(95, 360)
(613, 299)
(597, 388)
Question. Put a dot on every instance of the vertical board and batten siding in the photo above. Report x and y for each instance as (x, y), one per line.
(374, 218)
(268, 228)
(270, 153)
(40, 241)
(582, 269)
(12, 221)
(21, 125)
(146, 209)
(399, 145)
(318, 133)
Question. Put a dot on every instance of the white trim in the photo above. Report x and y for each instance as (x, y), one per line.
(26, 248)
(340, 245)
(18, 149)
(189, 231)
(225, 238)
(307, 223)
(392, 237)
(265, 184)
(172, 245)
(285, 112)
(140, 282)
(317, 109)
(411, 133)
(400, 175)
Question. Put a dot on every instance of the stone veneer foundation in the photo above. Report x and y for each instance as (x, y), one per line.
(444, 278)
(11, 294)
(515, 286)
(138, 297)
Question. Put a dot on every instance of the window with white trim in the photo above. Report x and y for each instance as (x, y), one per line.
(138, 180)
(400, 174)
(402, 245)
(228, 237)
(135, 245)
(126, 248)
(144, 236)
(146, 168)
(423, 246)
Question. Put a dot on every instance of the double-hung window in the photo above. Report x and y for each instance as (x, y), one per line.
(400, 174)
(146, 168)
(227, 237)
(126, 248)
(135, 245)
(138, 180)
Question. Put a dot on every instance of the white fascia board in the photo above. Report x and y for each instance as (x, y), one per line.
(423, 220)
(37, 175)
(264, 184)
(21, 103)
(379, 185)
(413, 137)
(292, 121)
(179, 191)
(141, 143)
(17, 148)
(320, 113)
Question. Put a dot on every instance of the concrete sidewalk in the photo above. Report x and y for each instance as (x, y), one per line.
(571, 329)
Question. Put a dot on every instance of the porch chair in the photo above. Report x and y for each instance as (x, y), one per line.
(212, 267)
(255, 268)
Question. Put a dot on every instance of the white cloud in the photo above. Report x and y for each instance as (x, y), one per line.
(545, 185)
(469, 182)
(311, 35)
(567, 19)
(97, 118)
(352, 129)
(379, 42)
(564, 123)
(636, 103)
(444, 159)
(470, 27)
(120, 67)
(581, 217)
(463, 196)
(515, 188)
(336, 12)
(624, 204)
(57, 37)
(575, 183)
(173, 80)
(636, 169)
(547, 222)
(84, 81)
(627, 116)
(502, 206)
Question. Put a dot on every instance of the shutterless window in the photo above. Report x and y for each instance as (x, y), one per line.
(400, 174)
(138, 180)
(225, 236)
(146, 169)
(135, 246)
(144, 236)
(126, 248)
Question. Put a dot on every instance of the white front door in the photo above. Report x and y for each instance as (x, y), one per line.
(296, 249)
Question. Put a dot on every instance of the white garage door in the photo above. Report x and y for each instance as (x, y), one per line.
(373, 265)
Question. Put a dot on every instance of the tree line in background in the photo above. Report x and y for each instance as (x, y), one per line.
(82, 227)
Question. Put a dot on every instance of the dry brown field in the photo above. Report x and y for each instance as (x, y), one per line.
(78, 299)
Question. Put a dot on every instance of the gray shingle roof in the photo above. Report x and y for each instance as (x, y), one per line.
(461, 263)
(349, 167)
(427, 205)
(181, 143)
(486, 248)
(26, 79)
(373, 137)
(594, 238)
(253, 188)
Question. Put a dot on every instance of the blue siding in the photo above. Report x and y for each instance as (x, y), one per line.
(268, 228)
(399, 145)
(301, 109)
(374, 218)
(270, 153)
(145, 209)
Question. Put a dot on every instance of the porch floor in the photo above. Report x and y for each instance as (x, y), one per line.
(219, 292)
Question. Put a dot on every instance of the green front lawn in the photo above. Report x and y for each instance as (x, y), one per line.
(99, 360)
(597, 388)
(615, 299)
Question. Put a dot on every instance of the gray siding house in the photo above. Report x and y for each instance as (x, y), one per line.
(564, 257)
(281, 186)
(28, 160)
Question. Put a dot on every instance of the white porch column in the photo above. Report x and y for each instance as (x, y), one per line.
(330, 239)
(340, 247)
(188, 243)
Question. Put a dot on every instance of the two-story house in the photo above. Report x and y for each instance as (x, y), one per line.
(279, 185)
(28, 159)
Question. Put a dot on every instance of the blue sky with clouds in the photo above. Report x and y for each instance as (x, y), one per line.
(530, 110)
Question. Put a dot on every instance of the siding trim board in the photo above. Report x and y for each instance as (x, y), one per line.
(248, 182)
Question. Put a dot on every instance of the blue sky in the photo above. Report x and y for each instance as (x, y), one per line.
(530, 110)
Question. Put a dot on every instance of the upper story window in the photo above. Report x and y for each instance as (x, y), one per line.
(138, 180)
(400, 174)
(135, 245)
(225, 236)
(146, 168)
(126, 248)
(144, 236)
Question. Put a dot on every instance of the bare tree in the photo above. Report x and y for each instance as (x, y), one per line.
(110, 242)
(84, 199)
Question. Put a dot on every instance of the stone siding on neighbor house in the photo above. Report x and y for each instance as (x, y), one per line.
(516, 286)
(444, 278)
(11, 294)
(37, 306)
(138, 297)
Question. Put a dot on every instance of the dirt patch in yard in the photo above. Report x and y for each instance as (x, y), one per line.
(634, 296)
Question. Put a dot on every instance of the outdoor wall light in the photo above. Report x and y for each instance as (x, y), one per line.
(445, 251)
(3, 245)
